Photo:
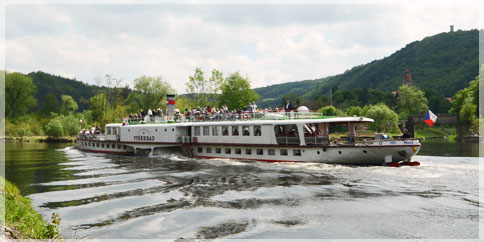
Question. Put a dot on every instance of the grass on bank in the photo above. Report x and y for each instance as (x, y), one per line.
(22, 219)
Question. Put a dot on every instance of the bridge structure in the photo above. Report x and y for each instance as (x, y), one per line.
(441, 119)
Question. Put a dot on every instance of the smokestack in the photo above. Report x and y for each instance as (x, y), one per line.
(452, 28)
(170, 105)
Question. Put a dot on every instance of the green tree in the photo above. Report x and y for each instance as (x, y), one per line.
(54, 128)
(466, 102)
(202, 88)
(19, 94)
(68, 105)
(236, 92)
(99, 107)
(354, 111)
(328, 111)
(50, 105)
(411, 101)
(384, 118)
(149, 92)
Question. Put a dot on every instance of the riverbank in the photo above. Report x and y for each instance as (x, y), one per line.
(21, 220)
(46, 139)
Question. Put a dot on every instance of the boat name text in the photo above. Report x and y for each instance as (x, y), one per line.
(143, 138)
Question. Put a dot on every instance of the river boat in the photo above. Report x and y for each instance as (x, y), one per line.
(268, 137)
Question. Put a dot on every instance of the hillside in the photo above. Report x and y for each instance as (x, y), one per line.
(444, 62)
(47, 83)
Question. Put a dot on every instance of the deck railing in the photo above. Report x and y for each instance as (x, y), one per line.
(223, 117)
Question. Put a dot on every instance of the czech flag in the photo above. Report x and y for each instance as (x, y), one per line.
(430, 118)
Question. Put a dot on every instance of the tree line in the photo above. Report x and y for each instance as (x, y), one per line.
(26, 117)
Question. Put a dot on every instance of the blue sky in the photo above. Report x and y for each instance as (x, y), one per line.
(268, 43)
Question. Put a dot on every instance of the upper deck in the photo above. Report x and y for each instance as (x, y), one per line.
(255, 118)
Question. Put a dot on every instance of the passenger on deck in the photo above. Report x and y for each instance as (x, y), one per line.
(406, 134)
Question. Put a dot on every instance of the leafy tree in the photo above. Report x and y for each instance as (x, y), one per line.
(328, 111)
(385, 118)
(50, 105)
(149, 92)
(68, 105)
(466, 102)
(411, 100)
(19, 94)
(54, 128)
(70, 124)
(354, 111)
(202, 88)
(236, 92)
(99, 107)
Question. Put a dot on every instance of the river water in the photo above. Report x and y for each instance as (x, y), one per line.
(169, 196)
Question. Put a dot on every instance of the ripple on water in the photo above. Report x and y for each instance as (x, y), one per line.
(171, 196)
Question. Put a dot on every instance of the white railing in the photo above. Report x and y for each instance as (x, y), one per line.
(224, 117)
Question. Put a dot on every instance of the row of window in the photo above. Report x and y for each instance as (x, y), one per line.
(102, 145)
(245, 130)
(248, 151)
(156, 130)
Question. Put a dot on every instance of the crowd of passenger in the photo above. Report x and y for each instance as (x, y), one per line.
(211, 113)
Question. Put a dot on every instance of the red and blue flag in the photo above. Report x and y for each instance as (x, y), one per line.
(430, 118)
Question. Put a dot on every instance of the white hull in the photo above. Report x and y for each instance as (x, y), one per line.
(336, 154)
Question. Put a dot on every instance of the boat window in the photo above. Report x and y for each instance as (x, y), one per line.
(245, 131)
(215, 130)
(286, 134)
(283, 152)
(209, 150)
(296, 152)
(238, 151)
(218, 150)
(206, 130)
(197, 131)
(248, 151)
(257, 130)
(260, 152)
(228, 150)
(124, 146)
(271, 152)
(109, 131)
(102, 145)
(119, 146)
(114, 131)
(235, 130)
(225, 131)
(200, 150)
(97, 145)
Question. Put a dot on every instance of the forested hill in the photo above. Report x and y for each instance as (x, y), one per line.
(47, 83)
(444, 62)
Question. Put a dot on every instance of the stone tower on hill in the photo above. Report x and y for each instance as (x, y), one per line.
(407, 78)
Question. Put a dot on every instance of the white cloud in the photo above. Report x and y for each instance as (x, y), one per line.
(268, 43)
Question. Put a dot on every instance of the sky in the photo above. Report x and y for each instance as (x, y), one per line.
(270, 43)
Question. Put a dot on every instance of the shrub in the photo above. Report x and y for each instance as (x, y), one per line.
(70, 125)
(385, 119)
(54, 128)
(328, 111)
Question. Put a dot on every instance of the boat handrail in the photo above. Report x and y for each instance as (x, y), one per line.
(223, 117)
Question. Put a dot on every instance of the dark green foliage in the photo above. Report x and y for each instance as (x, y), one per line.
(51, 105)
(54, 128)
(270, 96)
(19, 92)
(79, 91)
(445, 63)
